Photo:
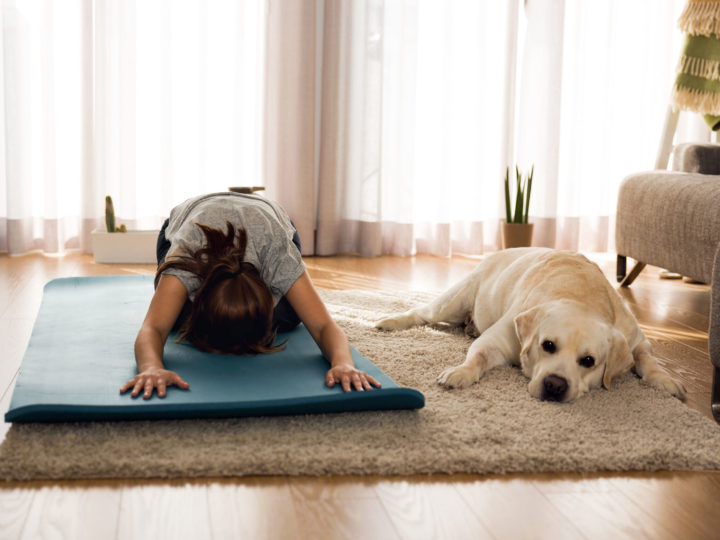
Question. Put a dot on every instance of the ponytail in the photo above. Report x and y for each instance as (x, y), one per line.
(233, 307)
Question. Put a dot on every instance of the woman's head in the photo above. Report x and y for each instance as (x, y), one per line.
(233, 308)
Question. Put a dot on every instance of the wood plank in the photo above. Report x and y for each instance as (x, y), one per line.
(422, 273)
(668, 312)
(15, 507)
(164, 512)
(659, 327)
(430, 508)
(514, 508)
(606, 514)
(255, 508)
(14, 275)
(340, 507)
(685, 505)
(65, 512)
(15, 336)
(671, 296)
(690, 366)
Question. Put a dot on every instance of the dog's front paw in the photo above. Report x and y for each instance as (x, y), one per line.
(459, 376)
(665, 382)
(397, 322)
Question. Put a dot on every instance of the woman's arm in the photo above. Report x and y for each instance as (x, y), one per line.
(327, 334)
(165, 306)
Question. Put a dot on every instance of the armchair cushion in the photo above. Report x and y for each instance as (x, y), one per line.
(670, 219)
(697, 158)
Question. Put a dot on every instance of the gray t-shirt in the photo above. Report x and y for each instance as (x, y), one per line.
(269, 237)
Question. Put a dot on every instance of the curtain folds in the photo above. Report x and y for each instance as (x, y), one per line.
(148, 101)
(414, 96)
(425, 104)
(382, 126)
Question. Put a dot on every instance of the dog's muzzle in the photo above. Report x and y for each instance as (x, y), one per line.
(554, 388)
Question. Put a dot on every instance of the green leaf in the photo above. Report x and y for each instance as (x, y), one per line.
(527, 193)
(507, 194)
(518, 197)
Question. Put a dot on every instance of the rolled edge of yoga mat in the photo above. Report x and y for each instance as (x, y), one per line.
(390, 399)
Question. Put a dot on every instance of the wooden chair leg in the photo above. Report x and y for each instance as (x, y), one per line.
(621, 267)
(635, 272)
(715, 399)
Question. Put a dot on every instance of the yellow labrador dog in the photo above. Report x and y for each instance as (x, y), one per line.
(554, 313)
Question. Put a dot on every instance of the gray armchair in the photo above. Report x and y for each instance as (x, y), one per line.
(671, 219)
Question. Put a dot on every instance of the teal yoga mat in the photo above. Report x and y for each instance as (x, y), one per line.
(81, 352)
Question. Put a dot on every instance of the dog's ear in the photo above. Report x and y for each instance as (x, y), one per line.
(619, 358)
(526, 328)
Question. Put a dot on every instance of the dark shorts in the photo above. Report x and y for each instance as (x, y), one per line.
(284, 316)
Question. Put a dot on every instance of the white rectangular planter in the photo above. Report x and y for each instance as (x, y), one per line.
(128, 247)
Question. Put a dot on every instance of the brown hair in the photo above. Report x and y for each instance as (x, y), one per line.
(233, 307)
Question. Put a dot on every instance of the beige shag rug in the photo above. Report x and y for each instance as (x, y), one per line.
(492, 427)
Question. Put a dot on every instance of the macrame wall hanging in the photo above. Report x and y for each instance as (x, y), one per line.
(697, 84)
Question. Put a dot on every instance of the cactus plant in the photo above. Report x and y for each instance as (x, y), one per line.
(110, 217)
(109, 214)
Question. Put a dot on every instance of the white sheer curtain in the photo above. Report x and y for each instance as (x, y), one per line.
(148, 101)
(594, 88)
(426, 117)
(383, 126)
(415, 110)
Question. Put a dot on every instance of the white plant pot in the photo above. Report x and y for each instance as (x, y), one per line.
(128, 247)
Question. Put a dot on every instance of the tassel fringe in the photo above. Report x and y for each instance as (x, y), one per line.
(699, 67)
(701, 18)
(689, 99)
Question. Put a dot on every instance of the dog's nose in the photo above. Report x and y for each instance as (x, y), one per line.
(555, 387)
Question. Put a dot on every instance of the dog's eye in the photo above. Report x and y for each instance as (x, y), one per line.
(587, 361)
(548, 346)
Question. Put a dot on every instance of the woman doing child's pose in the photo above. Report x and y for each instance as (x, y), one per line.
(230, 276)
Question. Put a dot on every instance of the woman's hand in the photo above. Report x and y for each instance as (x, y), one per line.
(165, 306)
(153, 378)
(330, 338)
(349, 377)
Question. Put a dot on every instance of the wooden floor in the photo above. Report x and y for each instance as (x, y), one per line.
(663, 505)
